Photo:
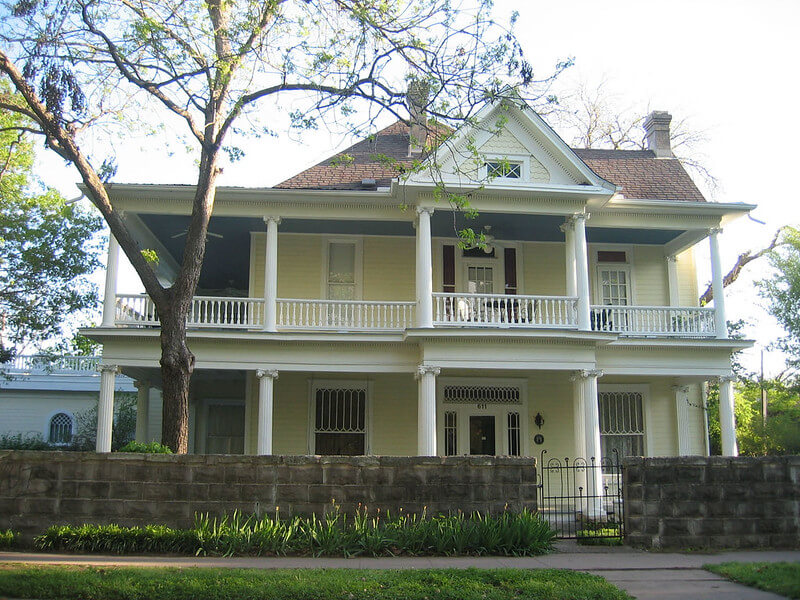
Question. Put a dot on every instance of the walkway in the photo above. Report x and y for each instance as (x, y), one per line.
(645, 575)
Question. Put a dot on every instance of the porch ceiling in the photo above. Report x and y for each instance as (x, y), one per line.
(226, 271)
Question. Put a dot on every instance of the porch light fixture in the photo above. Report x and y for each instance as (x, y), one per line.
(539, 420)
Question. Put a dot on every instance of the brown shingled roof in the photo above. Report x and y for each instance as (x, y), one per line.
(640, 174)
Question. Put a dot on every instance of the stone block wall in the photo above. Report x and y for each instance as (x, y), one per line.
(712, 502)
(38, 489)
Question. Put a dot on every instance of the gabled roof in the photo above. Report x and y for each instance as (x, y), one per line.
(638, 172)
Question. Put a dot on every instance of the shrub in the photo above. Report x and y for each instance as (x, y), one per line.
(20, 441)
(151, 448)
(7, 539)
(335, 534)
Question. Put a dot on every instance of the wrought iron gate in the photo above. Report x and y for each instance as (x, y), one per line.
(582, 499)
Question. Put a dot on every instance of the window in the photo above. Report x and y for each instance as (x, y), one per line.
(340, 416)
(342, 271)
(60, 429)
(614, 286)
(621, 423)
(504, 168)
(450, 433)
(514, 430)
(480, 280)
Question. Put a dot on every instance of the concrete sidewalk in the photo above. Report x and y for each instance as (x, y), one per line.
(645, 575)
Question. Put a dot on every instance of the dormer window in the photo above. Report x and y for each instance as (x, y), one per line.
(504, 168)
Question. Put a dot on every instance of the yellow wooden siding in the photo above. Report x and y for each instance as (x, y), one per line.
(688, 294)
(544, 269)
(650, 276)
(662, 435)
(389, 268)
(394, 415)
(550, 394)
(697, 432)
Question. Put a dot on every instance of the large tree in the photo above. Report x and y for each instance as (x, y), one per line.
(207, 64)
(48, 248)
(781, 290)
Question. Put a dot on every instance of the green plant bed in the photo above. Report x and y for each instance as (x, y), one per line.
(80, 583)
(151, 448)
(507, 534)
(781, 578)
(605, 534)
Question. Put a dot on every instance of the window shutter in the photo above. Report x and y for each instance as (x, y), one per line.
(510, 255)
(448, 269)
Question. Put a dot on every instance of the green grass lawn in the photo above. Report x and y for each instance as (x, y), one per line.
(97, 583)
(781, 578)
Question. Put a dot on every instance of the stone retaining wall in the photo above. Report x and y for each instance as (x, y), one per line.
(712, 502)
(38, 489)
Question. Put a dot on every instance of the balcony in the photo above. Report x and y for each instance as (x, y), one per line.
(449, 310)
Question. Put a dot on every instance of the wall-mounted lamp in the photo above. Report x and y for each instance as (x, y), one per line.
(539, 420)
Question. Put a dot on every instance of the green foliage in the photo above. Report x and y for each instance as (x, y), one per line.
(605, 534)
(7, 539)
(47, 247)
(782, 578)
(336, 534)
(782, 291)
(103, 583)
(151, 448)
(124, 429)
(24, 441)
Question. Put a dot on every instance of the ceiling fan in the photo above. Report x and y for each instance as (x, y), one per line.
(208, 234)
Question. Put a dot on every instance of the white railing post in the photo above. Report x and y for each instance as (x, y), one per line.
(271, 274)
(266, 387)
(581, 271)
(426, 410)
(110, 293)
(424, 268)
(717, 285)
(105, 407)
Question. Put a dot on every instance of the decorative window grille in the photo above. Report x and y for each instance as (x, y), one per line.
(621, 423)
(473, 394)
(450, 434)
(514, 432)
(504, 168)
(60, 429)
(340, 421)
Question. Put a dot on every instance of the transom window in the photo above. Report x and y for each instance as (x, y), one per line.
(504, 168)
(60, 429)
(621, 423)
(340, 420)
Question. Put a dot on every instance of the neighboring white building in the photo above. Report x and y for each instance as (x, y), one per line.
(337, 314)
(40, 396)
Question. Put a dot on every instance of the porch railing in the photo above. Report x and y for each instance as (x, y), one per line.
(654, 320)
(294, 313)
(205, 311)
(498, 309)
(26, 363)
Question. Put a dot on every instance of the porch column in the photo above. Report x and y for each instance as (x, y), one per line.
(142, 410)
(266, 385)
(581, 271)
(271, 275)
(110, 293)
(426, 410)
(727, 421)
(105, 407)
(682, 419)
(672, 280)
(424, 268)
(569, 235)
(587, 387)
(717, 285)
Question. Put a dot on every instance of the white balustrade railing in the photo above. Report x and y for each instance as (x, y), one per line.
(344, 314)
(51, 364)
(503, 310)
(205, 311)
(654, 320)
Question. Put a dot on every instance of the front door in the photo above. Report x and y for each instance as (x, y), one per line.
(482, 434)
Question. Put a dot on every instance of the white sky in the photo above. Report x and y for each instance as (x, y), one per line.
(730, 66)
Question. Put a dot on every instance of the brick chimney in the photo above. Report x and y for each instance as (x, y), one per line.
(417, 101)
(656, 129)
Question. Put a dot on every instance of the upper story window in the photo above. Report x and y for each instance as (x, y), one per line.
(613, 278)
(504, 168)
(342, 271)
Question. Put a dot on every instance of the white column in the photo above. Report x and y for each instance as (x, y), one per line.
(266, 386)
(579, 425)
(426, 410)
(581, 271)
(271, 275)
(672, 280)
(717, 285)
(587, 384)
(424, 268)
(142, 410)
(683, 416)
(105, 407)
(727, 421)
(569, 235)
(110, 293)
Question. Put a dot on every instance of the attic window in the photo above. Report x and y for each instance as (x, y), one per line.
(504, 168)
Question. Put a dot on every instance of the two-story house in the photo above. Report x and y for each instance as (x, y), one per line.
(337, 312)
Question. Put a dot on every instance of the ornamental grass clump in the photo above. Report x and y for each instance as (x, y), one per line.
(334, 534)
(7, 539)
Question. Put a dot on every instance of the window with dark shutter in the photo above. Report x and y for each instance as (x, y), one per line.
(448, 269)
(510, 255)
